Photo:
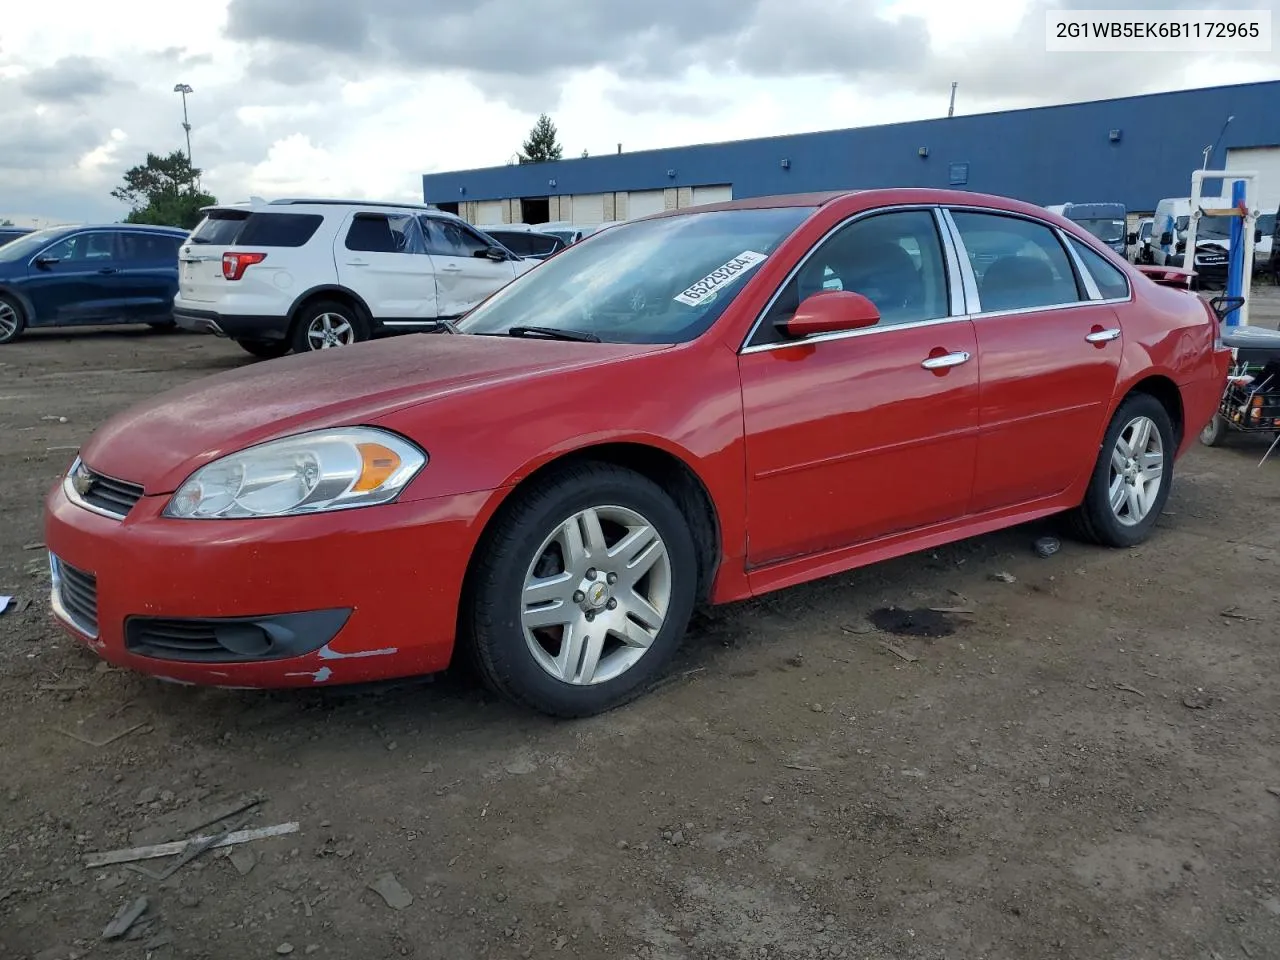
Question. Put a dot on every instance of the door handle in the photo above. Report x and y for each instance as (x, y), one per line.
(946, 360)
(357, 263)
(1103, 336)
(107, 270)
(451, 268)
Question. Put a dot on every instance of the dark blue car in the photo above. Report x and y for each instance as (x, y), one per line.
(73, 276)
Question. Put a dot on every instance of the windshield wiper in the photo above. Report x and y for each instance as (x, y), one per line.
(446, 325)
(577, 335)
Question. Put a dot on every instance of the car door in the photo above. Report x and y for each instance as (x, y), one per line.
(382, 257)
(148, 274)
(1050, 346)
(857, 435)
(465, 274)
(77, 279)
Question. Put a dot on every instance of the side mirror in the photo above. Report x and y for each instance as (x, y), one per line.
(831, 311)
(1257, 236)
(1133, 236)
(44, 263)
(1166, 238)
(492, 253)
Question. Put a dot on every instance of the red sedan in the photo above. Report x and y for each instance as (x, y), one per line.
(700, 406)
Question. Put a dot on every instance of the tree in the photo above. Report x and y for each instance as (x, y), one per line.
(542, 144)
(163, 191)
(6, 222)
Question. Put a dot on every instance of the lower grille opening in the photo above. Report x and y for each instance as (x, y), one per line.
(76, 592)
(232, 639)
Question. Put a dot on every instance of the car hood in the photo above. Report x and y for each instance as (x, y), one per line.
(158, 443)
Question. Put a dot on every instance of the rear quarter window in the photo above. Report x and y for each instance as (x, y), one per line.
(219, 227)
(278, 229)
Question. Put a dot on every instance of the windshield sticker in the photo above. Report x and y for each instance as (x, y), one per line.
(702, 291)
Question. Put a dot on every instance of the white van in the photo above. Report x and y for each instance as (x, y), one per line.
(1213, 236)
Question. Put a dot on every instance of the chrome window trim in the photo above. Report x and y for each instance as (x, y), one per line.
(968, 279)
(748, 347)
(1090, 284)
(1089, 278)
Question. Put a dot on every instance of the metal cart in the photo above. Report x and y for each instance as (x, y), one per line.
(1251, 401)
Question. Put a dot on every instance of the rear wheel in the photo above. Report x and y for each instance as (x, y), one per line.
(12, 321)
(328, 324)
(265, 349)
(582, 592)
(1132, 476)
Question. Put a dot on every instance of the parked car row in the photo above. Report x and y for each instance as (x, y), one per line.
(297, 274)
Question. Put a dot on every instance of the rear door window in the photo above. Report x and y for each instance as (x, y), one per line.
(384, 233)
(148, 248)
(1019, 264)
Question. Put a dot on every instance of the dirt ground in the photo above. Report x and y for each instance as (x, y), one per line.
(1087, 766)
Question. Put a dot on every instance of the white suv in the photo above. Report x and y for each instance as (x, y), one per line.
(312, 274)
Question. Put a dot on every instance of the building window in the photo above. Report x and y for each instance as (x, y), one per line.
(959, 174)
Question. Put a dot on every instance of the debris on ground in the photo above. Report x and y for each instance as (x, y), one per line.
(125, 918)
(391, 891)
(243, 859)
(179, 846)
(1231, 614)
(1047, 546)
(1003, 577)
(100, 743)
(898, 651)
(1197, 701)
(922, 622)
(1129, 689)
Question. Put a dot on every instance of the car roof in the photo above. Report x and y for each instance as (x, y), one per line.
(874, 197)
(258, 203)
(131, 227)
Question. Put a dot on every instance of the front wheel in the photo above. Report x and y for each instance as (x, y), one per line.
(581, 593)
(328, 324)
(265, 349)
(1132, 476)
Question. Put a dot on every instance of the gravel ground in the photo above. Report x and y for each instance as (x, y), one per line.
(1084, 765)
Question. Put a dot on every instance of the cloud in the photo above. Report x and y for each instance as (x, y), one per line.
(68, 80)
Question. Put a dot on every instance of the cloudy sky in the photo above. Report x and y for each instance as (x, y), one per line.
(360, 99)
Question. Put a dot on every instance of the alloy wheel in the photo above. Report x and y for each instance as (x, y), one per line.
(596, 595)
(328, 330)
(8, 321)
(1137, 471)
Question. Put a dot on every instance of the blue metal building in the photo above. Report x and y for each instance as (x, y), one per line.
(1136, 150)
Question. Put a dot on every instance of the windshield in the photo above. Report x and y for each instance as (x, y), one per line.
(652, 281)
(1210, 227)
(29, 244)
(1144, 231)
(1106, 229)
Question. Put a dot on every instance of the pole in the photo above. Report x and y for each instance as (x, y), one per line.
(951, 110)
(1235, 259)
(186, 125)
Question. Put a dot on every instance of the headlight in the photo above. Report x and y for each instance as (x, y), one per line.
(310, 473)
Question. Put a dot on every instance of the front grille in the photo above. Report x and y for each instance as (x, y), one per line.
(106, 493)
(77, 593)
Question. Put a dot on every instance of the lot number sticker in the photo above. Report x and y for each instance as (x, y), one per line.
(721, 276)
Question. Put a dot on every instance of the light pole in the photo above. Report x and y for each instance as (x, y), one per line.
(1208, 151)
(184, 89)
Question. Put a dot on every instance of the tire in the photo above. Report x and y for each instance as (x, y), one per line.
(532, 665)
(1215, 431)
(1128, 525)
(265, 349)
(12, 320)
(326, 324)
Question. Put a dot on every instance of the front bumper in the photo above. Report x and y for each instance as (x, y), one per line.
(235, 326)
(373, 591)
